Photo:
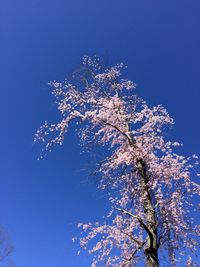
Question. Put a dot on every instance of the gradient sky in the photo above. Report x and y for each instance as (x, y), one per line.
(43, 40)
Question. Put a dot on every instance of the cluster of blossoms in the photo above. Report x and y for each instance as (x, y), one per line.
(151, 190)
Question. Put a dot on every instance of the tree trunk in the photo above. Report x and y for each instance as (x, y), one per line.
(152, 256)
(152, 249)
(151, 252)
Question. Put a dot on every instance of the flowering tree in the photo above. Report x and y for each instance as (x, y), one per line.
(150, 186)
(5, 248)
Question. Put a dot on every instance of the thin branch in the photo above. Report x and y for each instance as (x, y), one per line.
(131, 237)
(114, 126)
(133, 254)
(142, 224)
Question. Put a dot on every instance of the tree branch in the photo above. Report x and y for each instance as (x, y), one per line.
(131, 237)
(131, 142)
(142, 224)
(133, 254)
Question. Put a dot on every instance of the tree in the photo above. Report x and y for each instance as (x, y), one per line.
(150, 184)
(5, 247)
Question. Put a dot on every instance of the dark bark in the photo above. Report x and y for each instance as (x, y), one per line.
(151, 252)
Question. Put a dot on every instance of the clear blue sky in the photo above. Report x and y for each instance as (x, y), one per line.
(40, 201)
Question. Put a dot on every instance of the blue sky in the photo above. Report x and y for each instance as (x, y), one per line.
(41, 201)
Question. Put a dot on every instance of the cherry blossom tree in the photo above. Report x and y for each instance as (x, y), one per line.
(152, 188)
(5, 248)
